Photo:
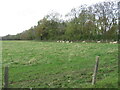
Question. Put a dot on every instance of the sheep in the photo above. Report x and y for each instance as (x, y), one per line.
(98, 41)
(111, 42)
(63, 41)
(114, 42)
(83, 41)
(67, 41)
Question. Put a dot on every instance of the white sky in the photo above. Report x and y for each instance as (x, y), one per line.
(19, 15)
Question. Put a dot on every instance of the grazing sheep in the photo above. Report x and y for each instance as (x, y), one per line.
(57, 41)
(114, 42)
(98, 41)
(83, 41)
(67, 41)
(71, 42)
(111, 42)
(63, 41)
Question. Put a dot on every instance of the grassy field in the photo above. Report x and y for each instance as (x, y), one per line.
(60, 65)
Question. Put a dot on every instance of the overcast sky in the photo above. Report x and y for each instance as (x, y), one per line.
(19, 15)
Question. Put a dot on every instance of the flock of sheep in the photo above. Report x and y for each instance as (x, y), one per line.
(114, 42)
(61, 41)
(65, 41)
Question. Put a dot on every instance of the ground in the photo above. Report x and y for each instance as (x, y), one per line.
(60, 65)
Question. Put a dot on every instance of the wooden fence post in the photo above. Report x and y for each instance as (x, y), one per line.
(6, 77)
(95, 71)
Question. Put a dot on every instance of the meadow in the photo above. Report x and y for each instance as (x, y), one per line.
(59, 65)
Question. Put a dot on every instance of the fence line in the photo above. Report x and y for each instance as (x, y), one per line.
(6, 74)
(95, 71)
(6, 77)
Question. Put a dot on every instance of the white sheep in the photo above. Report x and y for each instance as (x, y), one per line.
(114, 42)
(98, 41)
(111, 42)
(83, 41)
(63, 41)
(67, 41)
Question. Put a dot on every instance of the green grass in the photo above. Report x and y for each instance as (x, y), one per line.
(60, 65)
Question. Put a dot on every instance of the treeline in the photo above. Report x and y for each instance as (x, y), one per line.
(95, 22)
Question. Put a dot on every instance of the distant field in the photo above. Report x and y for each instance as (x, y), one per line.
(60, 65)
